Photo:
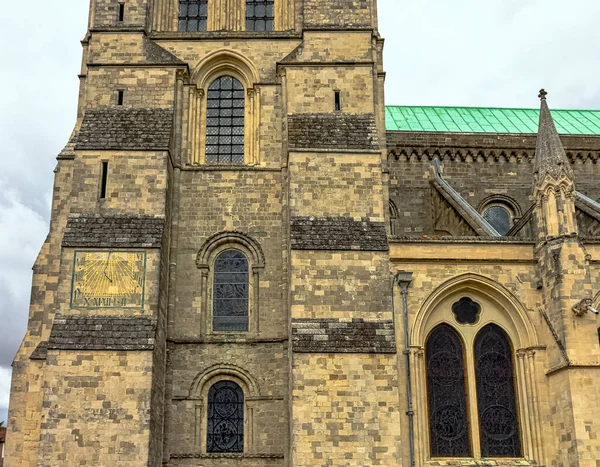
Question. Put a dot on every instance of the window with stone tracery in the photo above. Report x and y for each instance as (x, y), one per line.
(447, 360)
(225, 430)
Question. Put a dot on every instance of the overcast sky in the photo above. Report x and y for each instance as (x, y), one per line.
(438, 52)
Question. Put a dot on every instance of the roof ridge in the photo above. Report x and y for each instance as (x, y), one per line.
(484, 108)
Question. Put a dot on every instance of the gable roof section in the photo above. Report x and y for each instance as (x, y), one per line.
(488, 120)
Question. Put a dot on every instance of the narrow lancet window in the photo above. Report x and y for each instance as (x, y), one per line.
(231, 287)
(447, 394)
(225, 433)
(193, 15)
(498, 421)
(121, 12)
(225, 122)
(260, 15)
(338, 101)
(103, 179)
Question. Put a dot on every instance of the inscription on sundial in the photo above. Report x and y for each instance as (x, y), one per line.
(108, 279)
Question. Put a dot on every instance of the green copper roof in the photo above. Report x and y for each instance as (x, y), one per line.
(488, 120)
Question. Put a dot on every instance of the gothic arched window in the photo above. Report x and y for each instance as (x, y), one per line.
(225, 121)
(230, 292)
(260, 15)
(447, 394)
(393, 218)
(193, 15)
(496, 404)
(225, 431)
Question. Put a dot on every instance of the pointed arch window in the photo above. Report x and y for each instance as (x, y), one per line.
(496, 402)
(225, 430)
(393, 217)
(260, 15)
(193, 15)
(230, 292)
(447, 394)
(225, 121)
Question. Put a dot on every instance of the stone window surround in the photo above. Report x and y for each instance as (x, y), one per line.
(205, 262)
(218, 64)
(502, 309)
(220, 18)
(503, 201)
(199, 394)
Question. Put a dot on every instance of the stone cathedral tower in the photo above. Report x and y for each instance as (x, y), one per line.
(253, 262)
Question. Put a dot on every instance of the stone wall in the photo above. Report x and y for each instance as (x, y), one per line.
(338, 13)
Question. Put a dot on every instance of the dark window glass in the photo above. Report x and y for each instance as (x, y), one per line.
(225, 431)
(260, 15)
(466, 311)
(225, 121)
(104, 179)
(447, 394)
(193, 15)
(230, 306)
(393, 218)
(499, 218)
(499, 428)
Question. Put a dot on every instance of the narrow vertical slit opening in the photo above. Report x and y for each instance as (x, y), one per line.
(121, 12)
(338, 101)
(120, 97)
(104, 179)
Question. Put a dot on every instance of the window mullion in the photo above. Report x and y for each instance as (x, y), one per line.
(472, 402)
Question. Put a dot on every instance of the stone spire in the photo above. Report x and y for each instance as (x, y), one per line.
(550, 157)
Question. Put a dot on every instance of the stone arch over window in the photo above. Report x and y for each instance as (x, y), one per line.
(501, 212)
(499, 310)
(233, 250)
(393, 218)
(219, 74)
(237, 387)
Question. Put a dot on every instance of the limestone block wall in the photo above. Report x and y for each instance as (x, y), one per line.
(336, 184)
(345, 410)
(339, 13)
(84, 396)
(104, 14)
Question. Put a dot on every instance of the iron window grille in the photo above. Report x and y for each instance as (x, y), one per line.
(193, 15)
(231, 285)
(499, 218)
(260, 15)
(225, 431)
(225, 121)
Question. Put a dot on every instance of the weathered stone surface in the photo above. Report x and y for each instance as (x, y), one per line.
(335, 131)
(126, 129)
(102, 333)
(113, 231)
(343, 336)
(337, 233)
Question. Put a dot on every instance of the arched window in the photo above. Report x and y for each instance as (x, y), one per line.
(393, 218)
(499, 217)
(193, 15)
(260, 15)
(225, 430)
(447, 394)
(225, 121)
(496, 404)
(230, 292)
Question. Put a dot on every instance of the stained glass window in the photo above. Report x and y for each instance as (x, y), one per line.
(260, 15)
(193, 15)
(447, 394)
(499, 218)
(225, 431)
(225, 121)
(499, 428)
(230, 306)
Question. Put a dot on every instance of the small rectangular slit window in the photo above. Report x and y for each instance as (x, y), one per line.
(121, 12)
(104, 179)
(338, 101)
(120, 97)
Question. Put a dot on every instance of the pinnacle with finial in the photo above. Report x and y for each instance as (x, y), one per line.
(543, 94)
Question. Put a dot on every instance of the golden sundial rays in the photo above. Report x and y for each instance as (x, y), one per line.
(108, 279)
